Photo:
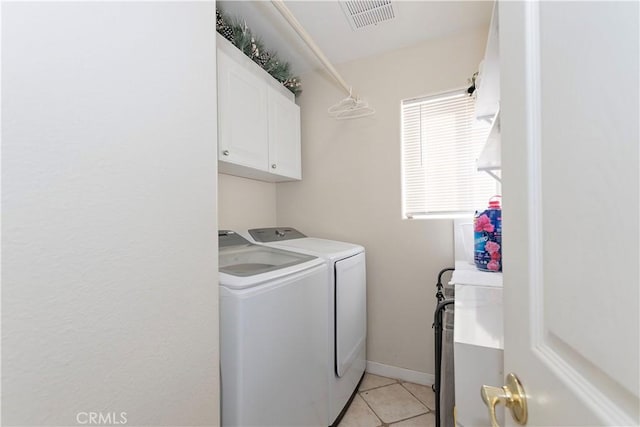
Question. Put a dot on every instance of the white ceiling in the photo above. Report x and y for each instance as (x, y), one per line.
(327, 24)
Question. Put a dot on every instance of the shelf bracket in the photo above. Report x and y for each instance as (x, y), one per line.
(494, 176)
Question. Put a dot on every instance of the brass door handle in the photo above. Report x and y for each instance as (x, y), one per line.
(511, 395)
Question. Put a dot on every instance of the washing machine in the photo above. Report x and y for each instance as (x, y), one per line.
(273, 332)
(347, 316)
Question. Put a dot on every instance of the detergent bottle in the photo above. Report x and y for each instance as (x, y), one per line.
(487, 233)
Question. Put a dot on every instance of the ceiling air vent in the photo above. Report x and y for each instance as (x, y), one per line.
(361, 14)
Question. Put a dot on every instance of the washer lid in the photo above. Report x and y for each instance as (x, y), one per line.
(249, 260)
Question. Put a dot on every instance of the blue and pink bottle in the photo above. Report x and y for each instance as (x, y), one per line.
(487, 227)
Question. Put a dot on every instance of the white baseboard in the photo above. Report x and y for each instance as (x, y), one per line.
(400, 373)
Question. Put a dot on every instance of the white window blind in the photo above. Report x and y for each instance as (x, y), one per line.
(441, 140)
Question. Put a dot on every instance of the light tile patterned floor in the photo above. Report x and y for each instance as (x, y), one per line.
(386, 402)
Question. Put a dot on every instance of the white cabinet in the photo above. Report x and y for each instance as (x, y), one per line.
(258, 121)
(477, 341)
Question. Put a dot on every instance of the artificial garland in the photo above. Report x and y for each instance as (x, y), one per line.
(242, 38)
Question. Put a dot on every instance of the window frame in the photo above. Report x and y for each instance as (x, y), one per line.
(453, 214)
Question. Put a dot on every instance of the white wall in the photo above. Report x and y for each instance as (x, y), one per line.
(245, 203)
(351, 189)
(109, 247)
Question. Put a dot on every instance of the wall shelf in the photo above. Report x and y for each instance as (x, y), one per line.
(488, 100)
(490, 159)
(488, 81)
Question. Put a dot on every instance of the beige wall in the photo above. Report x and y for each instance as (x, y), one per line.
(351, 189)
(245, 203)
(109, 253)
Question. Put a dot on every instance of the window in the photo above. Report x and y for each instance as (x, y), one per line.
(441, 140)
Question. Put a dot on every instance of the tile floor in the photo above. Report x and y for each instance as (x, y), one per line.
(386, 402)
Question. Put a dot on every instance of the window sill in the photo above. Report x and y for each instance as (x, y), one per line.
(457, 215)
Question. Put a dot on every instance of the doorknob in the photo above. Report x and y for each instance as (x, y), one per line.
(511, 395)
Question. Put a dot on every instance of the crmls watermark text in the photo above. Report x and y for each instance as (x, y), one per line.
(101, 418)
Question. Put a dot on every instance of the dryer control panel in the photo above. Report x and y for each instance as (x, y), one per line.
(275, 234)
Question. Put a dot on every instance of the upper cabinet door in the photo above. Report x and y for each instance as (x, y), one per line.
(242, 115)
(284, 136)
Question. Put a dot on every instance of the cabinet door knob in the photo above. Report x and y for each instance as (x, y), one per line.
(225, 152)
(273, 166)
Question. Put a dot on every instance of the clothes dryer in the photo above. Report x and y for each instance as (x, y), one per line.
(347, 316)
(273, 332)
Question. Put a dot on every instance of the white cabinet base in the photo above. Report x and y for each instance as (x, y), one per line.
(251, 173)
(478, 342)
(476, 366)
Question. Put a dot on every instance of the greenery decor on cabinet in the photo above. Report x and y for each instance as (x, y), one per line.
(237, 32)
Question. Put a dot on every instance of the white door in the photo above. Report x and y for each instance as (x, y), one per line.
(570, 136)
